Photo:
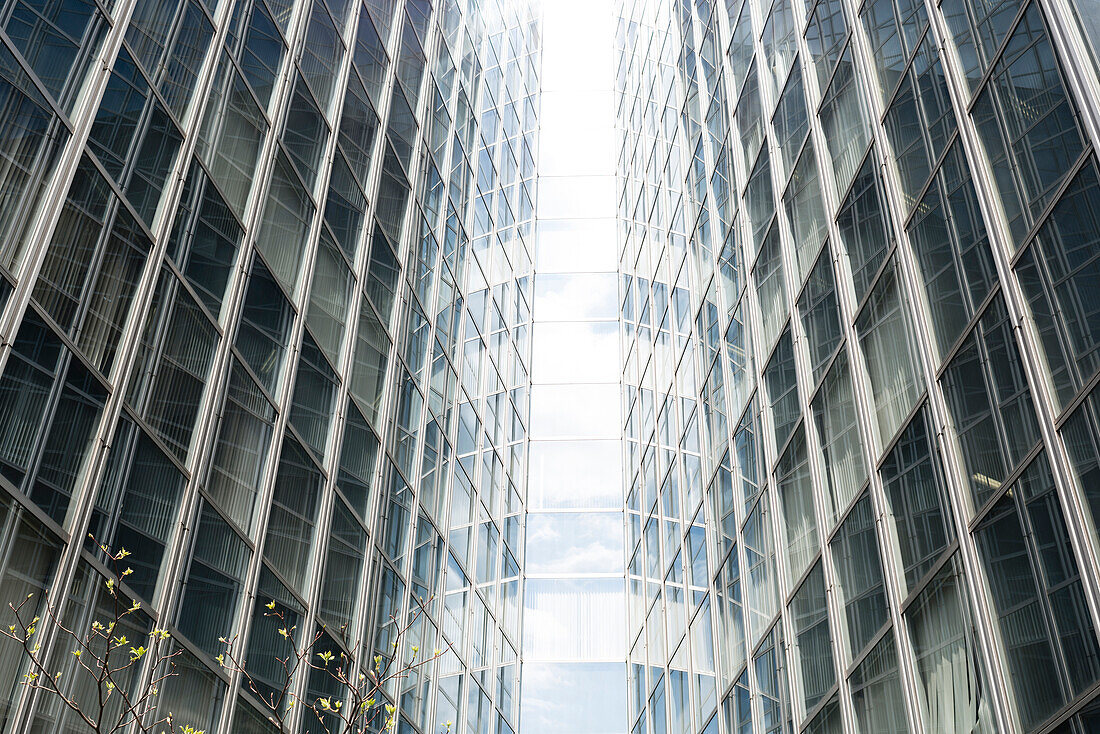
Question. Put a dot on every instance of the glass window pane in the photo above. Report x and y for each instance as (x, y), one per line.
(952, 249)
(572, 543)
(858, 563)
(574, 475)
(917, 501)
(576, 296)
(574, 619)
(796, 492)
(990, 403)
(1025, 602)
(876, 691)
(834, 413)
(888, 351)
(1027, 124)
(952, 686)
(1058, 275)
(813, 645)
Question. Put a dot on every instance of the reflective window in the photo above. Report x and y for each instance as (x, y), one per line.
(95, 261)
(796, 493)
(205, 238)
(293, 518)
(240, 455)
(214, 582)
(820, 312)
(1058, 274)
(59, 40)
(952, 682)
(1037, 594)
(842, 120)
(134, 137)
(990, 403)
(978, 28)
(50, 408)
(771, 289)
(573, 619)
(231, 135)
(31, 138)
(951, 245)
(1027, 124)
(813, 644)
(876, 691)
(585, 698)
(576, 296)
(568, 543)
(894, 28)
(575, 411)
(864, 223)
(805, 211)
(790, 122)
(284, 225)
(138, 504)
(834, 414)
(782, 386)
(918, 507)
(825, 36)
(888, 351)
(264, 331)
(858, 563)
(920, 121)
(574, 474)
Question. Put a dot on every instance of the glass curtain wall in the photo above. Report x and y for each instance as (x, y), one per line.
(574, 673)
(265, 296)
(856, 252)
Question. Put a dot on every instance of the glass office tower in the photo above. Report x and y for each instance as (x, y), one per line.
(859, 256)
(672, 366)
(266, 274)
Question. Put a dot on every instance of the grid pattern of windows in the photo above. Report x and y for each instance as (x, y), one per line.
(858, 258)
(265, 280)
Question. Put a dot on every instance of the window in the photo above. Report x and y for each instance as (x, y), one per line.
(843, 121)
(834, 414)
(1042, 616)
(137, 505)
(244, 442)
(792, 476)
(864, 224)
(820, 313)
(916, 497)
(889, 354)
(214, 582)
(1058, 275)
(805, 211)
(949, 240)
(876, 690)
(952, 685)
(1027, 124)
(858, 563)
(990, 403)
(825, 36)
(813, 644)
(782, 385)
(50, 408)
(293, 519)
(920, 121)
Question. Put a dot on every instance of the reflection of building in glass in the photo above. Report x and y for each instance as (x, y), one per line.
(265, 281)
(774, 409)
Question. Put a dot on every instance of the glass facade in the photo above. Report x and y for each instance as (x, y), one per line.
(671, 366)
(266, 286)
(857, 251)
